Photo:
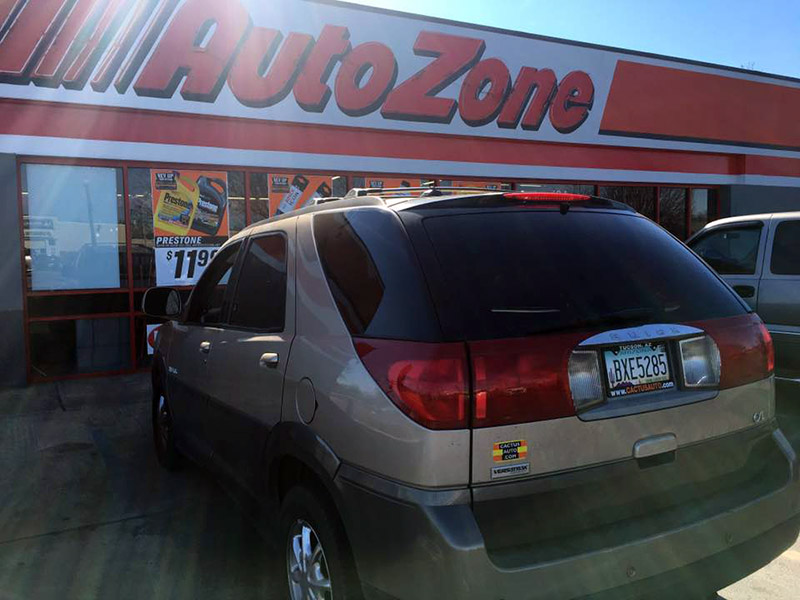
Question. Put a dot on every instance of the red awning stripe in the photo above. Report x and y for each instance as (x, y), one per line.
(75, 121)
(665, 103)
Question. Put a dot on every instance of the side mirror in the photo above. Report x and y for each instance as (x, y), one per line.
(162, 303)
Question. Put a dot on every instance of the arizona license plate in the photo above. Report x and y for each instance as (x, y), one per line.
(637, 368)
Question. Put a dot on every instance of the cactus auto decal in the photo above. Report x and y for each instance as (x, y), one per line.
(190, 222)
(290, 191)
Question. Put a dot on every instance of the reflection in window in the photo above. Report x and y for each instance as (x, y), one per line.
(672, 205)
(79, 346)
(730, 251)
(703, 208)
(259, 197)
(141, 203)
(641, 199)
(74, 227)
(237, 214)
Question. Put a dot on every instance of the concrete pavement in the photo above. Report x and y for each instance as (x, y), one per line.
(86, 512)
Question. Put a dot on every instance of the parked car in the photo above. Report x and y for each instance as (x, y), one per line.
(481, 395)
(759, 256)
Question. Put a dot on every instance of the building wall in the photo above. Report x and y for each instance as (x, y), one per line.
(752, 199)
(12, 339)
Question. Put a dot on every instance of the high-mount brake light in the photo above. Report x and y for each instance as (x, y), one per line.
(546, 197)
(427, 381)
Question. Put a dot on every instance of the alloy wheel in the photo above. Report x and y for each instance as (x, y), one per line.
(309, 578)
(164, 422)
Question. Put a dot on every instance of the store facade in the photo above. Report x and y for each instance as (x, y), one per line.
(136, 136)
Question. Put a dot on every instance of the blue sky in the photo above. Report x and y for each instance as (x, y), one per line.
(760, 34)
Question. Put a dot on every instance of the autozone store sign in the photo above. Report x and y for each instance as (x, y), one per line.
(331, 64)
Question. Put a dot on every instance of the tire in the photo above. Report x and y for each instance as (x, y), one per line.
(164, 432)
(307, 514)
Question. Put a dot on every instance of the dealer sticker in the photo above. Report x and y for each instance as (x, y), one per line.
(511, 470)
(511, 450)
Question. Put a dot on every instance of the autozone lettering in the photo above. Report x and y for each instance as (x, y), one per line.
(157, 48)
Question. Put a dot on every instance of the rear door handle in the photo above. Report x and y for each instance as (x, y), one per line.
(269, 360)
(745, 291)
(205, 347)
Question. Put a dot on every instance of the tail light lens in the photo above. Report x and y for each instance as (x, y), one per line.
(521, 380)
(701, 362)
(745, 348)
(428, 382)
(584, 379)
(766, 337)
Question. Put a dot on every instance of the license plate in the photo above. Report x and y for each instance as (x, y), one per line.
(637, 368)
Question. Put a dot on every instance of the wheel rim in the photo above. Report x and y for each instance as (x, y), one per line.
(164, 422)
(309, 578)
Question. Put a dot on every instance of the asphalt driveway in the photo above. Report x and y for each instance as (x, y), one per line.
(86, 512)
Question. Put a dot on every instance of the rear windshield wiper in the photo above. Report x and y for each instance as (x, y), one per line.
(627, 316)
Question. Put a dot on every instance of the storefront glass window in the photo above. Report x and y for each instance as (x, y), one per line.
(562, 188)
(259, 197)
(236, 201)
(79, 346)
(641, 199)
(703, 208)
(74, 227)
(141, 203)
(672, 209)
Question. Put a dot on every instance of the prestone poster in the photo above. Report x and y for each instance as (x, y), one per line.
(190, 222)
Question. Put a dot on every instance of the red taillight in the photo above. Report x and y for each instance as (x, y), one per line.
(426, 381)
(766, 337)
(745, 348)
(521, 380)
(546, 197)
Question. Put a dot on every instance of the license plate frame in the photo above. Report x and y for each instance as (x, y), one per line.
(628, 376)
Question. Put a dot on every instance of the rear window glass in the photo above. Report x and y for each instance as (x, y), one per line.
(374, 275)
(516, 273)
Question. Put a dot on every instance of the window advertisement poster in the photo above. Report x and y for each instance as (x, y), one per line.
(190, 222)
(152, 333)
(378, 181)
(290, 191)
(494, 186)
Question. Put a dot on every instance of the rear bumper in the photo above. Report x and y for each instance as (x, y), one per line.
(419, 544)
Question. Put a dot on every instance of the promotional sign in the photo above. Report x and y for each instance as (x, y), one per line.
(376, 181)
(190, 222)
(152, 332)
(486, 185)
(290, 191)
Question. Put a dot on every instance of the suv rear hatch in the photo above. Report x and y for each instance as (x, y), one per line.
(595, 339)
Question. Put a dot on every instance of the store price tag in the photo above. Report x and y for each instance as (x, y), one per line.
(182, 265)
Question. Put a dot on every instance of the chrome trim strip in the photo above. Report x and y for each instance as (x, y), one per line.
(637, 334)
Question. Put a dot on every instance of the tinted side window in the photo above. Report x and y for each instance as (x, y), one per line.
(374, 275)
(207, 304)
(786, 249)
(730, 251)
(260, 299)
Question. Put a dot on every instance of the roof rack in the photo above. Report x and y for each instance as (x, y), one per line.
(423, 191)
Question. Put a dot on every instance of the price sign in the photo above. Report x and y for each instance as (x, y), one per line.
(182, 266)
(190, 222)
